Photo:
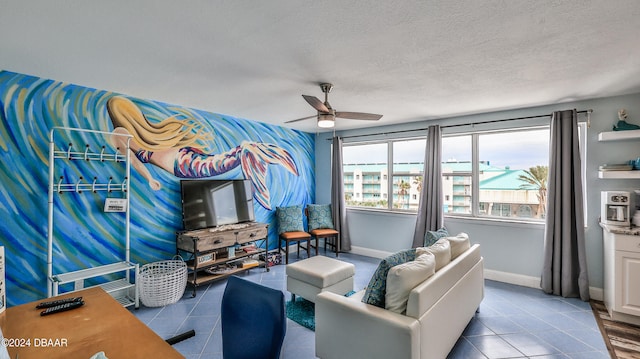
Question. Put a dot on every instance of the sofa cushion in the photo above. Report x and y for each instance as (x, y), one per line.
(377, 287)
(431, 237)
(430, 291)
(441, 249)
(289, 219)
(459, 244)
(404, 277)
(319, 216)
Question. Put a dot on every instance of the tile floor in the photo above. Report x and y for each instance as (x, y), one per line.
(513, 322)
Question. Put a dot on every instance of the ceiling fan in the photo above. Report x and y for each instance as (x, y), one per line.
(327, 115)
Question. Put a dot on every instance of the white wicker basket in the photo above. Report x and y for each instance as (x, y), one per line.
(162, 282)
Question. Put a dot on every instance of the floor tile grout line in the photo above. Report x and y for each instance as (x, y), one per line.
(499, 293)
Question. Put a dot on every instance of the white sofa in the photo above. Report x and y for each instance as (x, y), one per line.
(438, 310)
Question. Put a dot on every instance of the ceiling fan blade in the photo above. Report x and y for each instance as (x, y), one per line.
(300, 119)
(316, 103)
(358, 116)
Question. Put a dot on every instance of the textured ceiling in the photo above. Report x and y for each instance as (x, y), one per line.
(407, 60)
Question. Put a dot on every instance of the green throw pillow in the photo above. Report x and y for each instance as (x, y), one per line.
(320, 216)
(432, 237)
(377, 288)
(289, 219)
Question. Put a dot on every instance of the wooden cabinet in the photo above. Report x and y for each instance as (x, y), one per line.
(216, 253)
(622, 273)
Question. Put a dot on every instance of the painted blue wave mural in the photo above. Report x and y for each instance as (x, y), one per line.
(84, 234)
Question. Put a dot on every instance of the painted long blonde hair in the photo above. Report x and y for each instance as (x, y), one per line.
(168, 133)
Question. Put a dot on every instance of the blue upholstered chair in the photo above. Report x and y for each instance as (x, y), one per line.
(253, 320)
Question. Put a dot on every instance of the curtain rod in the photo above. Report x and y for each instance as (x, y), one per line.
(588, 112)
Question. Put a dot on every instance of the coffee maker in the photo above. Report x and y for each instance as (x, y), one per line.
(615, 208)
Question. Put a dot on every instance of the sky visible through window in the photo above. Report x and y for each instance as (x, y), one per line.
(515, 149)
(372, 153)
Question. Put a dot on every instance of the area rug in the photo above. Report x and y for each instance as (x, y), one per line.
(303, 311)
(622, 340)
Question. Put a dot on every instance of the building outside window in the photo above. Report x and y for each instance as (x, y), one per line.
(371, 161)
(509, 178)
(367, 163)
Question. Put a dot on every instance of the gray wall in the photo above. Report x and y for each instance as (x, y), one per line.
(506, 246)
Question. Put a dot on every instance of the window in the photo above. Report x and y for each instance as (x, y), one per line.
(499, 174)
(367, 163)
(391, 173)
(456, 174)
(408, 171)
(488, 174)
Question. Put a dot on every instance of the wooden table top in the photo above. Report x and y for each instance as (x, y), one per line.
(101, 324)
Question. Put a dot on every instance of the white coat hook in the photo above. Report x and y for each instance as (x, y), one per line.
(102, 154)
(78, 185)
(124, 185)
(93, 185)
(86, 153)
(69, 151)
(109, 184)
(60, 184)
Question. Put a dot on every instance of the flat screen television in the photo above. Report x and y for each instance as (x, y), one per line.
(212, 203)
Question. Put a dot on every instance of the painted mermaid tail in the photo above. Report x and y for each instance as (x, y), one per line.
(253, 159)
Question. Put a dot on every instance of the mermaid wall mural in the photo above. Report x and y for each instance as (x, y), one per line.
(169, 143)
(177, 146)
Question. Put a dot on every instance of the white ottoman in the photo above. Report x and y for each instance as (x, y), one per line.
(308, 277)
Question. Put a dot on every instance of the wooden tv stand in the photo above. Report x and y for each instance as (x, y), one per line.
(207, 250)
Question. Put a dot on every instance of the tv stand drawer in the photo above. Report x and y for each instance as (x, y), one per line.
(208, 239)
(251, 234)
(206, 242)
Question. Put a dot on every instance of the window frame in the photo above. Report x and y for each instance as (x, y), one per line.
(475, 175)
(583, 136)
(389, 176)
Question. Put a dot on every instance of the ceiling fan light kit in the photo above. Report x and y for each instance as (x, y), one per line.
(327, 115)
(326, 120)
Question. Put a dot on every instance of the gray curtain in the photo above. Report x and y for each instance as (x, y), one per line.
(430, 207)
(564, 271)
(337, 197)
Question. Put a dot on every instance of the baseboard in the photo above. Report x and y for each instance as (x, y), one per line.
(512, 278)
(505, 277)
(368, 252)
(531, 282)
(596, 293)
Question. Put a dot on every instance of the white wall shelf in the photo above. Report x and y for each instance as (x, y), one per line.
(619, 135)
(619, 174)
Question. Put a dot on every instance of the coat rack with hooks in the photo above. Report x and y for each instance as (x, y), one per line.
(80, 185)
(124, 289)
